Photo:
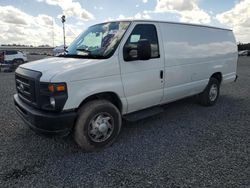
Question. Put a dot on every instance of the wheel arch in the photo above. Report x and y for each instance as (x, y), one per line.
(218, 76)
(16, 59)
(108, 95)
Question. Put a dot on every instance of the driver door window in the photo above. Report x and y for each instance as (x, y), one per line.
(141, 31)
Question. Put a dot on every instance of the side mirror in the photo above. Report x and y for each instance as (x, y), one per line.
(144, 49)
(137, 51)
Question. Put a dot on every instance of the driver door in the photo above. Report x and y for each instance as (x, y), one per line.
(142, 79)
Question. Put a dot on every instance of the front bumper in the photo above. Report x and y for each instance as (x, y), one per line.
(49, 123)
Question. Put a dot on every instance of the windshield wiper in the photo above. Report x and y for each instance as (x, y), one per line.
(72, 55)
(83, 50)
(82, 56)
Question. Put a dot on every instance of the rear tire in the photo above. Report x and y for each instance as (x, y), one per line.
(211, 93)
(97, 126)
(18, 61)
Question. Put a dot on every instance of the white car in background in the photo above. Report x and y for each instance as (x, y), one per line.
(11, 59)
(15, 56)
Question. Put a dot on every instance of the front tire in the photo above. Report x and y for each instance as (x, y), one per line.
(98, 125)
(211, 93)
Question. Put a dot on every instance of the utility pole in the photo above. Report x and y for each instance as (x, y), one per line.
(63, 21)
(53, 34)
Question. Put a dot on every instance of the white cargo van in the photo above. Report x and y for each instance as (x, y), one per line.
(119, 69)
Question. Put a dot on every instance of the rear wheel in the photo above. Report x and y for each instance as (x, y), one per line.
(211, 94)
(18, 61)
(98, 125)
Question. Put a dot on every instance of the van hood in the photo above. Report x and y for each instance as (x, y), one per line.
(68, 69)
(56, 63)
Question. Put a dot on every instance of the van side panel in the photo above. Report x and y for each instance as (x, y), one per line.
(192, 55)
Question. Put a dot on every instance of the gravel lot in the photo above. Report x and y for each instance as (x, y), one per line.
(185, 146)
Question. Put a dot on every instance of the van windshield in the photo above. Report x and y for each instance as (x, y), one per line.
(98, 41)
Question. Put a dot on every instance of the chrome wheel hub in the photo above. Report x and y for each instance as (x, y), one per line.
(101, 127)
(213, 92)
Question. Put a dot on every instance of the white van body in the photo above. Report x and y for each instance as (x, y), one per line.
(189, 55)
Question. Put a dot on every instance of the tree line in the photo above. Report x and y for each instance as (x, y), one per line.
(242, 46)
(23, 45)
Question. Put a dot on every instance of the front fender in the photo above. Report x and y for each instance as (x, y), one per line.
(80, 90)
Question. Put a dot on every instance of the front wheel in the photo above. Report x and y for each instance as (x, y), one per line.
(98, 125)
(211, 93)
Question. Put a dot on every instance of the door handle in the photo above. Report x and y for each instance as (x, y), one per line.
(161, 74)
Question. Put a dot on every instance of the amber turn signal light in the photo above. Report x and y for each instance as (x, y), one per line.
(53, 87)
(60, 88)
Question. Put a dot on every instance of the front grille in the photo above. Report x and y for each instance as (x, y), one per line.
(27, 85)
(26, 88)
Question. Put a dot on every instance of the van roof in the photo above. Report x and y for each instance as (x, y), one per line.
(170, 22)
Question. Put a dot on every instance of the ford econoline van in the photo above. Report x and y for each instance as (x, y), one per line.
(118, 69)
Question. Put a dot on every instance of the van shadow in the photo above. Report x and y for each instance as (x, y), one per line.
(176, 114)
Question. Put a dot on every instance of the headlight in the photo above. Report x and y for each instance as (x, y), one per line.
(52, 96)
(52, 102)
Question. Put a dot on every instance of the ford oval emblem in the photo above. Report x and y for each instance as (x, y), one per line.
(22, 88)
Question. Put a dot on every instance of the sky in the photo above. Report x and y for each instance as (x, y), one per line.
(37, 22)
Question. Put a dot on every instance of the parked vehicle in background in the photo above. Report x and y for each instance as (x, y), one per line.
(11, 59)
(123, 69)
(244, 53)
(58, 50)
(15, 56)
